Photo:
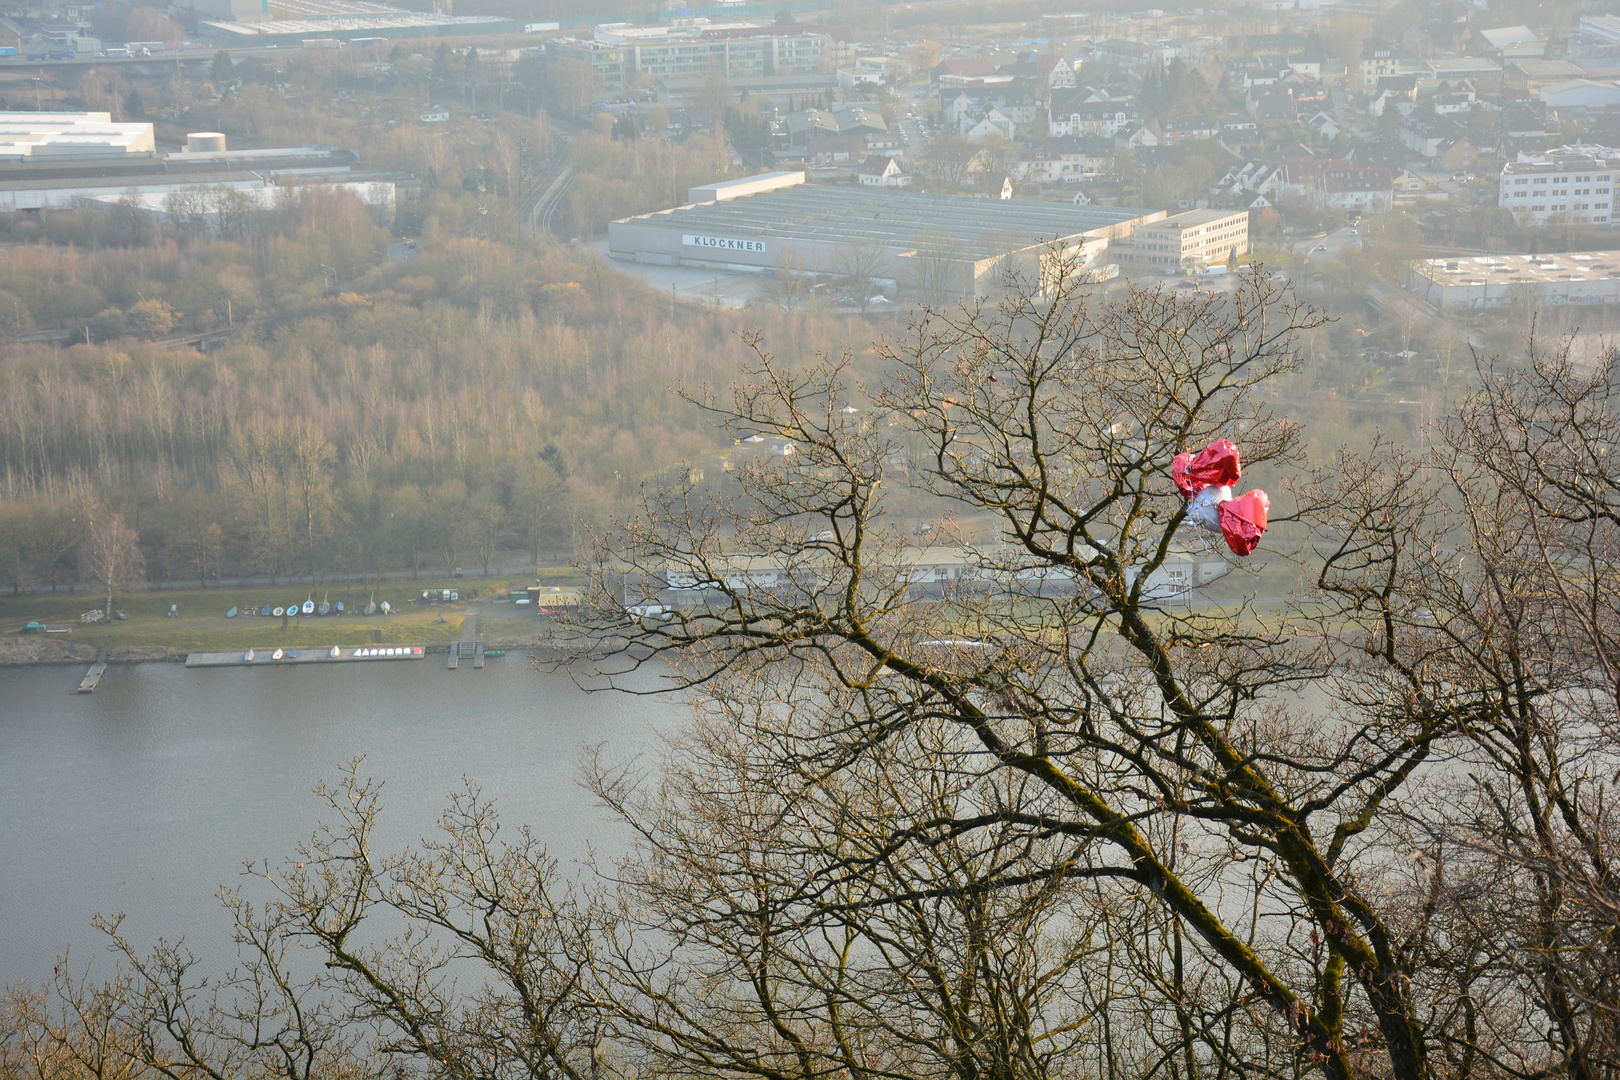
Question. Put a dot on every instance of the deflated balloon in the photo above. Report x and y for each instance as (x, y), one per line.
(1243, 520)
(1217, 465)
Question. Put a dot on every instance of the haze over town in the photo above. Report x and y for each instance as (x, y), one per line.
(1120, 500)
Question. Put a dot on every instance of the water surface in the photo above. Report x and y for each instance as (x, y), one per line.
(147, 795)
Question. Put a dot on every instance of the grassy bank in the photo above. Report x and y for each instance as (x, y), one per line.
(201, 625)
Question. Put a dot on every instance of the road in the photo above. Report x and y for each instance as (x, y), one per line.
(1336, 242)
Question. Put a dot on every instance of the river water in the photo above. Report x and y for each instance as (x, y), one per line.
(147, 796)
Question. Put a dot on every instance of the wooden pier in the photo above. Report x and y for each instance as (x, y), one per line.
(455, 655)
(478, 656)
(92, 678)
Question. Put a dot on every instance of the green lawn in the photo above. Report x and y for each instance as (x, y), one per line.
(202, 625)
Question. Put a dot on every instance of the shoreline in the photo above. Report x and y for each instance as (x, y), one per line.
(34, 652)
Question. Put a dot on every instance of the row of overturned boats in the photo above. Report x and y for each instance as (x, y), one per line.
(308, 607)
(363, 652)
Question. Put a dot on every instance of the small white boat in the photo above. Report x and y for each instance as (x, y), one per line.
(334, 653)
(384, 608)
(309, 607)
(276, 655)
(248, 656)
(277, 612)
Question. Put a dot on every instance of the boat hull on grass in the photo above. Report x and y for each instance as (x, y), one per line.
(341, 654)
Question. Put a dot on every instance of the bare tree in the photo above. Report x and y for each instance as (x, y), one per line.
(187, 210)
(232, 213)
(859, 266)
(1523, 630)
(788, 286)
(939, 270)
(1161, 742)
(945, 161)
(111, 555)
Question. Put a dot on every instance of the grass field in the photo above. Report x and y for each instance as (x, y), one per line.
(202, 625)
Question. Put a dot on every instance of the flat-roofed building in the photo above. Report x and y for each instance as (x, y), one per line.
(937, 248)
(1601, 28)
(1568, 186)
(404, 24)
(747, 185)
(620, 52)
(1186, 241)
(63, 137)
(1469, 281)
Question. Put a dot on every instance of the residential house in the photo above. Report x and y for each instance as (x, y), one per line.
(1072, 112)
(879, 170)
(1337, 183)
(1454, 99)
(1021, 100)
(1133, 136)
(1183, 127)
(1049, 69)
(1323, 126)
(988, 121)
(1377, 61)
(1270, 104)
(1308, 65)
(1379, 154)
(1520, 130)
(1068, 160)
(1458, 153)
(1409, 185)
(1264, 76)
(836, 151)
(1422, 132)
(1260, 176)
(1238, 130)
(1396, 90)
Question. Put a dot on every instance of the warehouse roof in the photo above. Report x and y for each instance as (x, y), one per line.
(1523, 269)
(984, 227)
(39, 136)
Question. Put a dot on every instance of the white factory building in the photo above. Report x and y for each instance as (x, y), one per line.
(935, 247)
(70, 137)
(1469, 281)
(51, 161)
(1573, 185)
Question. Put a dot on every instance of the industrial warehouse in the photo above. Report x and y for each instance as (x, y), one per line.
(932, 247)
(1468, 281)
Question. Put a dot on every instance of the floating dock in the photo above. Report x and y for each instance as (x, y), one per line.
(455, 655)
(92, 678)
(478, 656)
(313, 654)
